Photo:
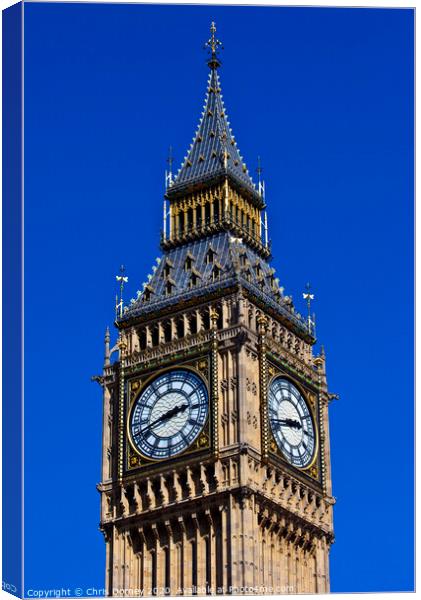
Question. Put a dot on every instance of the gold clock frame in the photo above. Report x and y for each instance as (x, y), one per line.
(305, 394)
(206, 429)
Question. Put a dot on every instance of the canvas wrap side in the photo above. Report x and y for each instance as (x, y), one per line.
(12, 580)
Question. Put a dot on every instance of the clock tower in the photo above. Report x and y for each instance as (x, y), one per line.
(216, 459)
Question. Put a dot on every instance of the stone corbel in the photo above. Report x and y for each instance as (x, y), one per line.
(190, 482)
(177, 486)
(164, 490)
(169, 529)
(290, 533)
(125, 505)
(150, 495)
(203, 479)
(219, 475)
(137, 497)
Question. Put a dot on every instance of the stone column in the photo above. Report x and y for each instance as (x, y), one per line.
(161, 568)
(186, 324)
(148, 337)
(226, 554)
(173, 329)
(199, 321)
(249, 534)
(225, 319)
(109, 561)
(202, 205)
(211, 211)
(147, 566)
(186, 221)
(193, 207)
(187, 561)
(161, 335)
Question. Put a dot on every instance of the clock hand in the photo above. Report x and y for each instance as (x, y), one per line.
(289, 423)
(168, 415)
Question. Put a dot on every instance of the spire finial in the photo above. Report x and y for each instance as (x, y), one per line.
(214, 46)
(309, 297)
(259, 168)
(168, 172)
(122, 279)
(261, 183)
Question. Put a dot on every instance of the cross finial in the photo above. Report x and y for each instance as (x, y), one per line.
(309, 297)
(214, 46)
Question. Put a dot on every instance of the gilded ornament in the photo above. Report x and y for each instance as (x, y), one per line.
(314, 471)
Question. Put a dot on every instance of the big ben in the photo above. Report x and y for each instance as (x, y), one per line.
(216, 458)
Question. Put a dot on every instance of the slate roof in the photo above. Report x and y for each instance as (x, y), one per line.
(236, 263)
(205, 158)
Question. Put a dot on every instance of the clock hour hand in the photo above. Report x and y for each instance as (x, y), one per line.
(168, 415)
(289, 423)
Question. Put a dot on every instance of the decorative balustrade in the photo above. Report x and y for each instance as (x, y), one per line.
(164, 349)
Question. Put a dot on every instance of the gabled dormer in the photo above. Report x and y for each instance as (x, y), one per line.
(189, 262)
(210, 256)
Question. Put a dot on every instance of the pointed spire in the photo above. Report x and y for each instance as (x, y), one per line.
(213, 153)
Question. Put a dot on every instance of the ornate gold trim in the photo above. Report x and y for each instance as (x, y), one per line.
(146, 383)
(316, 422)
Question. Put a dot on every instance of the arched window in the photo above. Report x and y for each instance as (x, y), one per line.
(194, 279)
(181, 223)
(210, 256)
(193, 323)
(198, 215)
(142, 338)
(154, 573)
(155, 335)
(194, 566)
(206, 319)
(207, 213)
(216, 210)
(216, 273)
(190, 219)
(208, 573)
(180, 328)
(167, 586)
(167, 331)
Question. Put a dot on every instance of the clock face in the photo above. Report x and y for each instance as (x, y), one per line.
(169, 414)
(291, 423)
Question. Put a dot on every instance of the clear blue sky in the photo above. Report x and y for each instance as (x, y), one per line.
(325, 97)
